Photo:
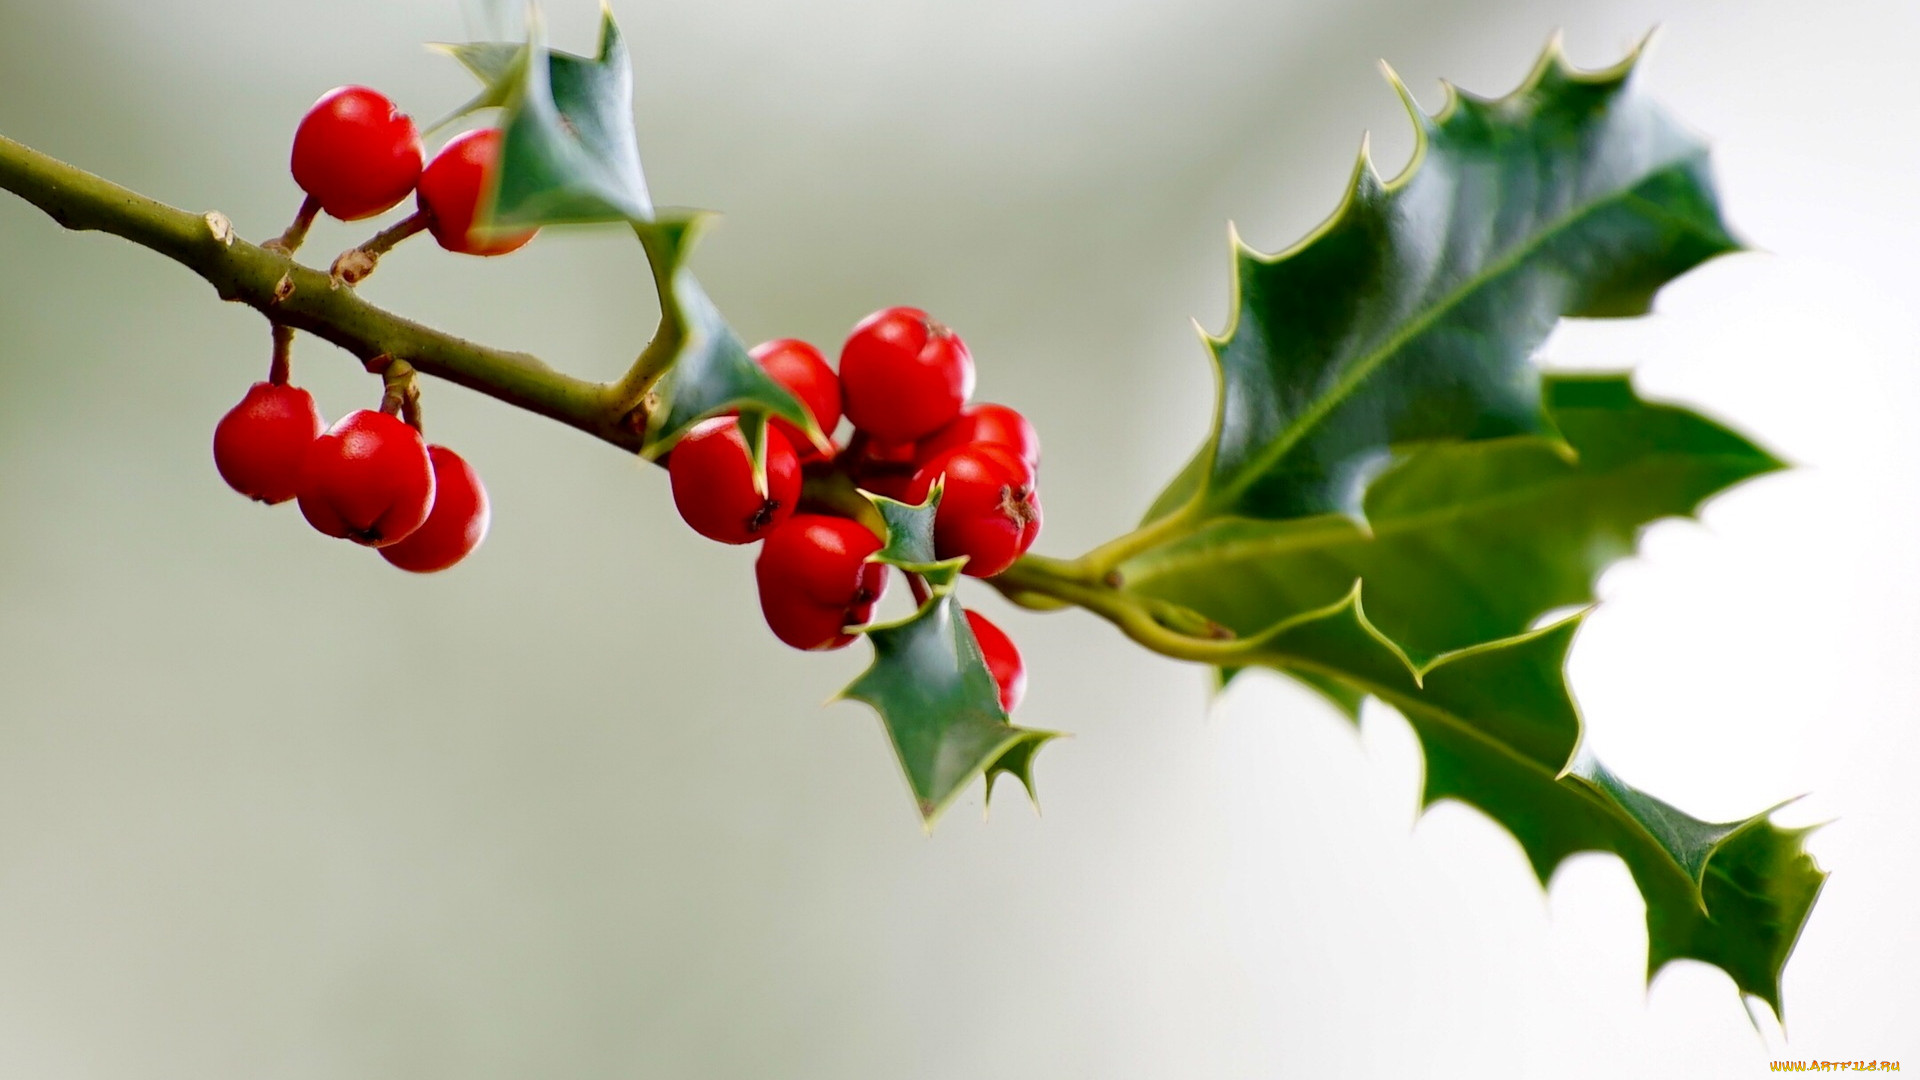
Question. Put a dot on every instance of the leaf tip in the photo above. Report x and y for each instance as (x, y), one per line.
(1237, 242)
(1644, 46)
(1422, 123)
(1555, 50)
(1017, 761)
(1366, 176)
(1213, 342)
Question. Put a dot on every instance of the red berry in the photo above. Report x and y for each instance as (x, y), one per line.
(456, 524)
(713, 482)
(989, 512)
(800, 368)
(356, 153)
(902, 374)
(450, 192)
(881, 467)
(368, 479)
(259, 445)
(815, 580)
(1003, 660)
(996, 424)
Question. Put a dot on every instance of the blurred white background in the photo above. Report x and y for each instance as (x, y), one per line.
(269, 808)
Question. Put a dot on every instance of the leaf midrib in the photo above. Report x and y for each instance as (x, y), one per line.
(1363, 368)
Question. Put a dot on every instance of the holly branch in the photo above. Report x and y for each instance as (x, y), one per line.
(1392, 503)
(291, 294)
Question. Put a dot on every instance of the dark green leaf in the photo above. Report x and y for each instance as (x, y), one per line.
(1500, 733)
(570, 153)
(931, 687)
(929, 681)
(1411, 314)
(1017, 762)
(708, 369)
(571, 156)
(492, 63)
(1379, 421)
(1469, 542)
(910, 540)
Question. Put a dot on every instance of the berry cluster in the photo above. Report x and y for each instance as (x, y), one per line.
(903, 384)
(371, 478)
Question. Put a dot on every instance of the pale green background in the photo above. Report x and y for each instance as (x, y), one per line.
(270, 809)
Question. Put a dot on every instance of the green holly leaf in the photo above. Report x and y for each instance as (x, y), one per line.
(1379, 422)
(1501, 733)
(929, 681)
(707, 369)
(931, 687)
(909, 543)
(491, 62)
(1410, 315)
(571, 156)
(570, 153)
(1469, 542)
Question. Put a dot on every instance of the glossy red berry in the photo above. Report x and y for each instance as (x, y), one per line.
(815, 581)
(368, 479)
(451, 188)
(259, 445)
(989, 512)
(456, 524)
(984, 423)
(1003, 660)
(713, 482)
(902, 375)
(356, 153)
(800, 368)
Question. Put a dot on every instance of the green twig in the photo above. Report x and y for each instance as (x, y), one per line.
(303, 298)
(1169, 629)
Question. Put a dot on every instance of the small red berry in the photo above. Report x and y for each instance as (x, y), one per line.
(356, 153)
(815, 580)
(989, 512)
(984, 424)
(259, 445)
(713, 485)
(368, 479)
(800, 368)
(450, 193)
(1003, 660)
(902, 374)
(456, 524)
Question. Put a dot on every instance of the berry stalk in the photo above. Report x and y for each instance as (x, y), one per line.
(356, 264)
(289, 242)
(280, 368)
